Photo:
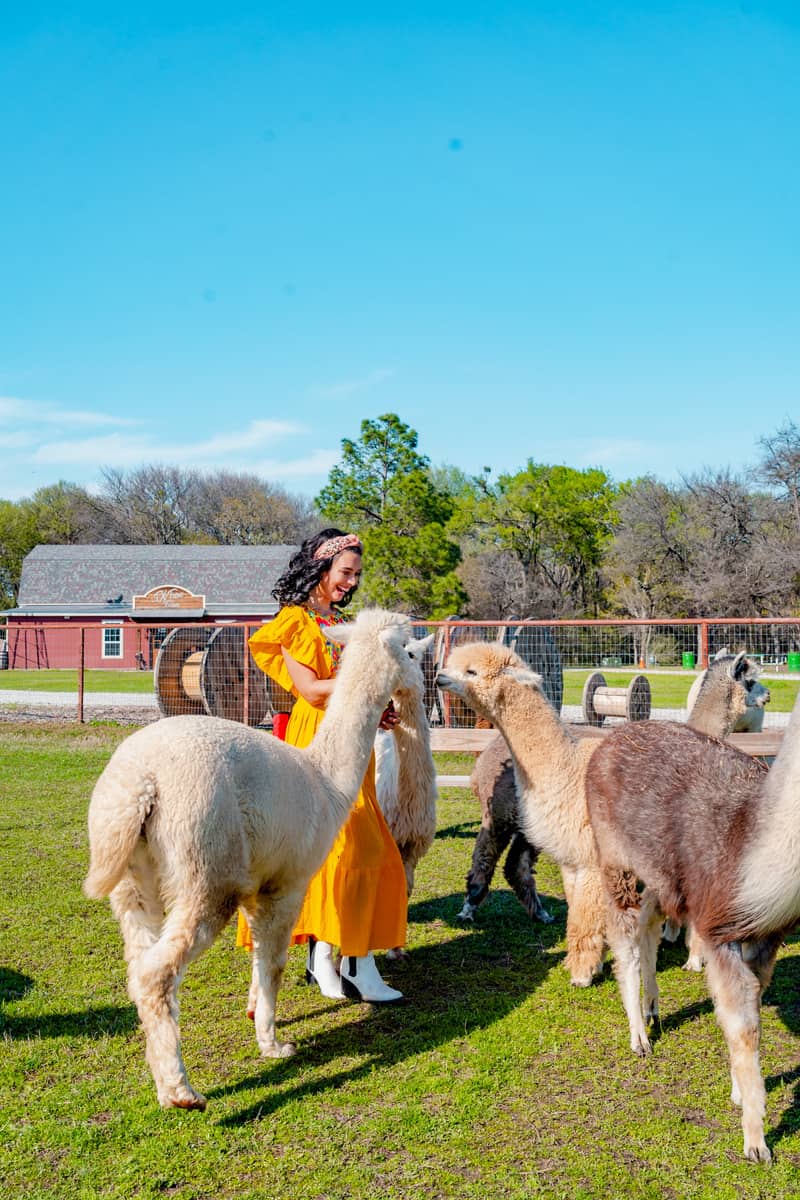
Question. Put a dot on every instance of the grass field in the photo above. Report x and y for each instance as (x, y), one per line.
(495, 1080)
(668, 691)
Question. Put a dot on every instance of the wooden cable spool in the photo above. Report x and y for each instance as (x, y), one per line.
(202, 671)
(601, 701)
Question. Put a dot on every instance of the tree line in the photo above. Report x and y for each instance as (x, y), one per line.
(547, 540)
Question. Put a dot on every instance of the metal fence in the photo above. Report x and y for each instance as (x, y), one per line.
(207, 668)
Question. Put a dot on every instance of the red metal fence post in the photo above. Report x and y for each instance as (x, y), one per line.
(445, 656)
(81, 665)
(703, 645)
(246, 678)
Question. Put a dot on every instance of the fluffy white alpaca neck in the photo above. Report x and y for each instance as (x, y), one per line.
(416, 772)
(770, 877)
(343, 742)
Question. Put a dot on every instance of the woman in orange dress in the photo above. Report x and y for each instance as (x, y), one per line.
(357, 900)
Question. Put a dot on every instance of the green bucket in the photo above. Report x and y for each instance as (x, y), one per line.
(793, 662)
(688, 660)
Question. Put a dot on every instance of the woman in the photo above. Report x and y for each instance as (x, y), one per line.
(357, 900)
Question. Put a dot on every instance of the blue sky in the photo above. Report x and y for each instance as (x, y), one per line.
(560, 231)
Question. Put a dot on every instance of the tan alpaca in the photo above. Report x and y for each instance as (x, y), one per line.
(196, 816)
(405, 773)
(549, 765)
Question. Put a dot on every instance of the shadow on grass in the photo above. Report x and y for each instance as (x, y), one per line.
(452, 990)
(464, 829)
(495, 914)
(13, 985)
(107, 1020)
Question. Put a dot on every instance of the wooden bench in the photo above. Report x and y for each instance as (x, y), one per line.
(471, 741)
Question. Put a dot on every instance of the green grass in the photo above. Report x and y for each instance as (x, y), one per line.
(67, 681)
(495, 1080)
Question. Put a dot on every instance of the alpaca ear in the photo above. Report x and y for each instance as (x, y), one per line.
(418, 647)
(524, 675)
(740, 666)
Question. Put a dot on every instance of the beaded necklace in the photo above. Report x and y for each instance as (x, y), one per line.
(322, 620)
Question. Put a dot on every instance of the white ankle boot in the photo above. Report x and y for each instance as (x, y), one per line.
(360, 981)
(321, 970)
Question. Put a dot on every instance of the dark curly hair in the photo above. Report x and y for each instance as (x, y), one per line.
(304, 571)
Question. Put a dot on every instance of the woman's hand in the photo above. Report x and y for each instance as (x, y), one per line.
(389, 717)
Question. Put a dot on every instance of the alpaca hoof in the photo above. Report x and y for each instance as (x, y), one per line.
(467, 913)
(693, 964)
(278, 1050)
(397, 954)
(641, 1046)
(758, 1152)
(184, 1097)
(544, 916)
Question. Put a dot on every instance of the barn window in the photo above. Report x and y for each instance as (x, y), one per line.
(112, 641)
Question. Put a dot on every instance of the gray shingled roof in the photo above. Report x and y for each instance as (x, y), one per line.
(232, 578)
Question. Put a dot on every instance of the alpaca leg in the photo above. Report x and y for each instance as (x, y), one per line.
(136, 904)
(586, 922)
(697, 958)
(485, 855)
(519, 873)
(760, 958)
(651, 920)
(736, 993)
(154, 980)
(272, 925)
(623, 931)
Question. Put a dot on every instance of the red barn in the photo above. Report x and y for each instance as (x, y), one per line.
(120, 595)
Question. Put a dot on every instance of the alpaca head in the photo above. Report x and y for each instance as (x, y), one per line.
(734, 680)
(413, 681)
(376, 647)
(480, 673)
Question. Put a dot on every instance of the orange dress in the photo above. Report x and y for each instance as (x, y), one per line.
(357, 900)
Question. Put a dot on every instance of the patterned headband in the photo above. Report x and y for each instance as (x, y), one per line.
(334, 546)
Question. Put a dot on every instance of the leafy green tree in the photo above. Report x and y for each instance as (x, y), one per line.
(18, 536)
(553, 522)
(383, 491)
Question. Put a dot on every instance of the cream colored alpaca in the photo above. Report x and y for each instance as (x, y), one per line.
(549, 766)
(196, 816)
(405, 773)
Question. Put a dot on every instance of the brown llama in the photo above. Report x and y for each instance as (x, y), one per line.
(715, 839)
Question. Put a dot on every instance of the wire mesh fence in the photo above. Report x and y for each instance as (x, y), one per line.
(207, 668)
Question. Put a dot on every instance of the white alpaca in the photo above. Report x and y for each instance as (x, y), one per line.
(196, 816)
(405, 773)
